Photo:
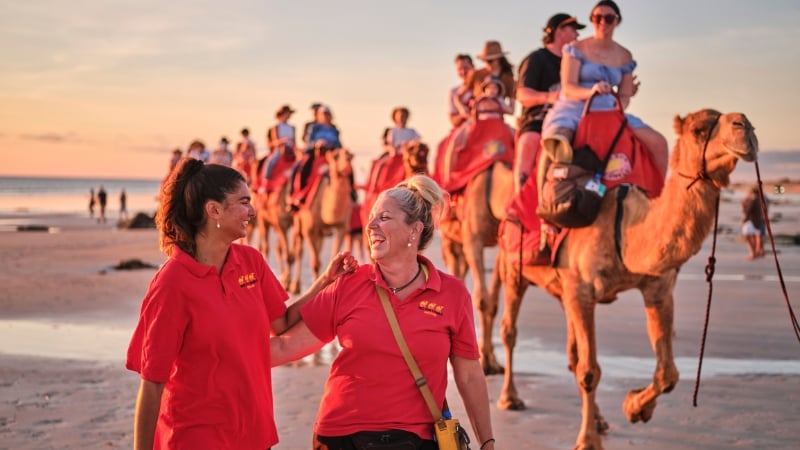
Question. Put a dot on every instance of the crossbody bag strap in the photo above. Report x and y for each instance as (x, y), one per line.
(419, 379)
(613, 144)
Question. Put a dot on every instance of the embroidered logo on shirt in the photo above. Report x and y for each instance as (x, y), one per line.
(248, 280)
(431, 308)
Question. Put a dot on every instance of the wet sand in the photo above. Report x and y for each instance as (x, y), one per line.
(65, 318)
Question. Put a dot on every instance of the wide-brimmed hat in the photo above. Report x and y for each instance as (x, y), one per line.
(283, 110)
(491, 50)
(562, 20)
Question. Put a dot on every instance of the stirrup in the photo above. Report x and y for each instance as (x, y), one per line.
(558, 148)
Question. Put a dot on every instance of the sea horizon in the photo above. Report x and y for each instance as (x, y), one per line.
(33, 194)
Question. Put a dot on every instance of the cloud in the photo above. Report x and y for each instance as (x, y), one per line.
(53, 138)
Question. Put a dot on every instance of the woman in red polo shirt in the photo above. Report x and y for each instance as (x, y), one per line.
(370, 387)
(202, 341)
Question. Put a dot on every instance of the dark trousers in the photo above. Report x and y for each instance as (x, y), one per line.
(347, 443)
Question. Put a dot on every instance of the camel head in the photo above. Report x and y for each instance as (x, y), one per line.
(340, 161)
(415, 157)
(710, 142)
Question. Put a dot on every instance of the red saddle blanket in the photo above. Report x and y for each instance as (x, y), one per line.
(280, 173)
(630, 161)
(473, 147)
(384, 173)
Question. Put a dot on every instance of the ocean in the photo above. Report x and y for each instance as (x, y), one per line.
(71, 195)
(37, 195)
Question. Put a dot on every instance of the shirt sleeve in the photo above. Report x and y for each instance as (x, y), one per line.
(158, 337)
(319, 313)
(464, 342)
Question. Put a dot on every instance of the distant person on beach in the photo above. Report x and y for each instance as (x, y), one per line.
(753, 224)
(400, 133)
(91, 203)
(102, 199)
(123, 205)
(435, 314)
(202, 342)
(222, 155)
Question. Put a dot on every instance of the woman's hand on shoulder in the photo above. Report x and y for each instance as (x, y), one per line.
(341, 264)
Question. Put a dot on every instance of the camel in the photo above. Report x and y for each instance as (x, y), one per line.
(328, 209)
(657, 237)
(472, 225)
(272, 213)
(413, 159)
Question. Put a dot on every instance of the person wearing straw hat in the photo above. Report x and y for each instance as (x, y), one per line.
(497, 65)
(281, 139)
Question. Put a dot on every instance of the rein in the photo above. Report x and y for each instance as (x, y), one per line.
(712, 261)
(709, 270)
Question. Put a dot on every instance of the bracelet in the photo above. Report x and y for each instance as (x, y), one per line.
(486, 442)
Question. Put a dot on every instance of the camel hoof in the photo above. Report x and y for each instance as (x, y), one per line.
(601, 424)
(510, 404)
(493, 369)
(636, 412)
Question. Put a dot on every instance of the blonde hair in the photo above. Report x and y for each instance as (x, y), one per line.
(421, 199)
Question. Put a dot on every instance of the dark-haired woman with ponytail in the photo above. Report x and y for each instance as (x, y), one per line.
(202, 342)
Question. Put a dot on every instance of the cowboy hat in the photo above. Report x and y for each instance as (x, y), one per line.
(491, 50)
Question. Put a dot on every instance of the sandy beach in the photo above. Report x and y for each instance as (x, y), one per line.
(66, 317)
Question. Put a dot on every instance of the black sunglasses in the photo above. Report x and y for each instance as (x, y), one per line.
(609, 18)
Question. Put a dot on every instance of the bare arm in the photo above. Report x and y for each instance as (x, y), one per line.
(570, 71)
(341, 264)
(471, 385)
(626, 89)
(148, 405)
(528, 97)
(293, 344)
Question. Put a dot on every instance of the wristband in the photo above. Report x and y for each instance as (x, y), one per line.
(486, 442)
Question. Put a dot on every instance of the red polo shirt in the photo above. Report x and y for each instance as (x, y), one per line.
(370, 386)
(206, 335)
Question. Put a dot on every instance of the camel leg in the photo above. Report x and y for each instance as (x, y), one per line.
(572, 355)
(473, 252)
(297, 240)
(514, 289)
(315, 245)
(579, 309)
(283, 254)
(639, 404)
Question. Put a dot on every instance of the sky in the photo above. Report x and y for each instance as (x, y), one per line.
(108, 88)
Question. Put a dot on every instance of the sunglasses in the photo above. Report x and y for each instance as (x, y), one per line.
(609, 18)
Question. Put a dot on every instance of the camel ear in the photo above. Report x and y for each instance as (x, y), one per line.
(678, 125)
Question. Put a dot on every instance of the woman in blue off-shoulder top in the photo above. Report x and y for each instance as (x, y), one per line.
(596, 65)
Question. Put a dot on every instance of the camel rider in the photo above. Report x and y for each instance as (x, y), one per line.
(538, 88)
(322, 136)
(280, 139)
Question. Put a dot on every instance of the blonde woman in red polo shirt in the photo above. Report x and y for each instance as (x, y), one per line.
(202, 342)
(370, 387)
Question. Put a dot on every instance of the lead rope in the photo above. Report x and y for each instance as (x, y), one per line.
(712, 261)
(792, 316)
(710, 267)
